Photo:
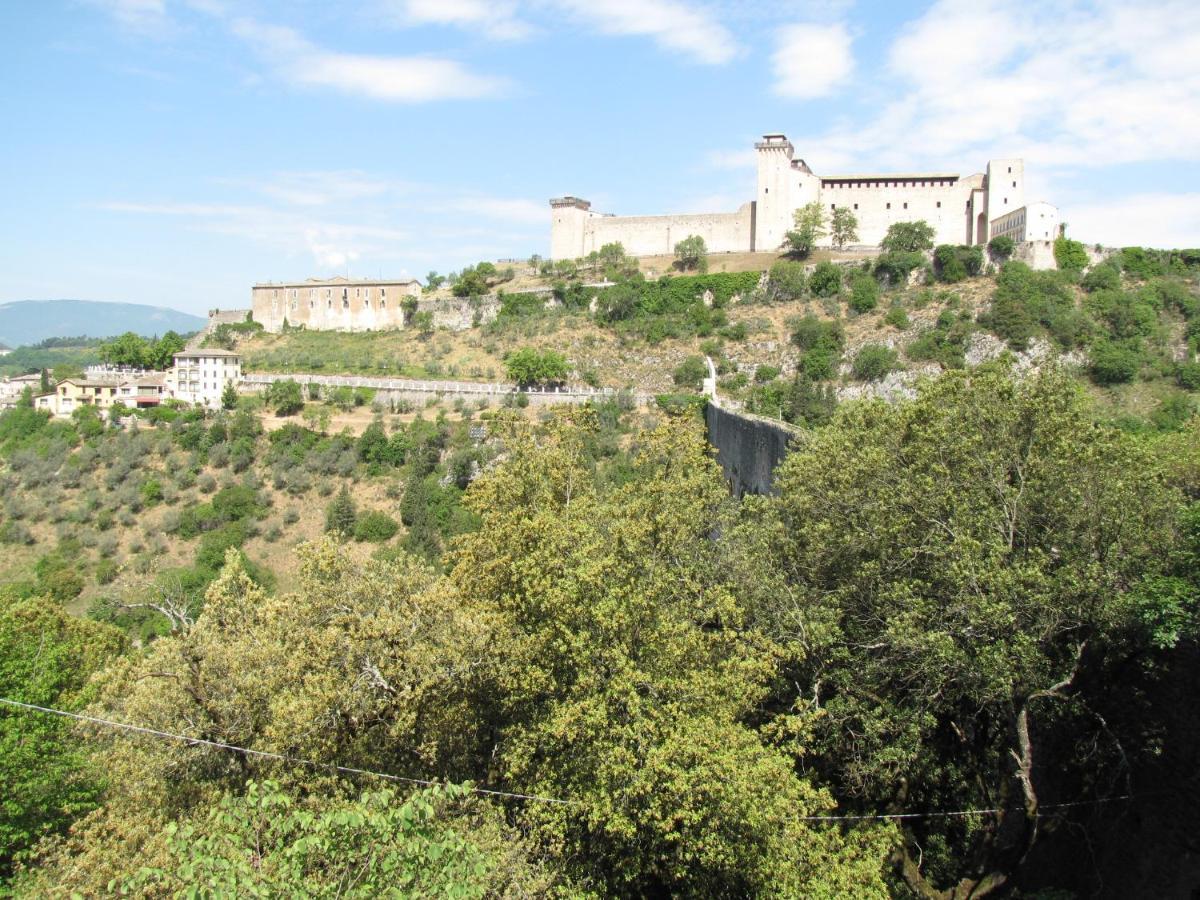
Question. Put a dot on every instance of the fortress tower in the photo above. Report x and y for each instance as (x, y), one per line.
(962, 209)
(784, 185)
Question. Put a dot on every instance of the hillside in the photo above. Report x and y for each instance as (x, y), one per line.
(24, 322)
(1128, 330)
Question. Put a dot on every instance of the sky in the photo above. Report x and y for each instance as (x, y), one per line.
(174, 152)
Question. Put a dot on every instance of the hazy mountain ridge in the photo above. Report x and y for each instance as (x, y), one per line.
(25, 322)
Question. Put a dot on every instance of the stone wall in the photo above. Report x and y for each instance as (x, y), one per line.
(748, 448)
(337, 305)
(658, 235)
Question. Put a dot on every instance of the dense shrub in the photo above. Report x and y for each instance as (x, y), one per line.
(1025, 299)
(375, 526)
(810, 332)
(820, 363)
(896, 266)
(1105, 276)
(864, 293)
(786, 280)
(1188, 376)
(873, 362)
(952, 264)
(1000, 248)
(1113, 363)
(945, 343)
(1070, 255)
(690, 373)
(897, 318)
(826, 280)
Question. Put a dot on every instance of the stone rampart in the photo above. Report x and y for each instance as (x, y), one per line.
(749, 448)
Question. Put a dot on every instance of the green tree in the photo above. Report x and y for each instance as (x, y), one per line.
(161, 353)
(908, 237)
(423, 322)
(692, 253)
(642, 716)
(285, 397)
(529, 366)
(341, 514)
(843, 227)
(229, 396)
(46, 658)
(433, 281)
(955, 576)
(809, 222)
(266, 843)
(129, 349)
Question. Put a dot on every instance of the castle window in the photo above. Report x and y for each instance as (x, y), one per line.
(856, 206)
(382, 303)
(1010, 170)
(1014, 184)
(939, 206)
(889, 206)
(906, 206)
(1006, 201)
(833, 206)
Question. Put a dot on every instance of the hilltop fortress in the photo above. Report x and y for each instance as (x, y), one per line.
(962, 210)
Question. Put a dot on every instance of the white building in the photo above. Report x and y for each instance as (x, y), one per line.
(199, 376)
(12, 387)
(961, 209)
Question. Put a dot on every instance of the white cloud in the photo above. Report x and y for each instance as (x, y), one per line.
(324, 188)
(504, 209)
(811, 60)
(685, 29)
(497, 20)
(1062, 84)
(390, 219)
(730, 159)
(143, 16)
(1148, 220)
(412, 79)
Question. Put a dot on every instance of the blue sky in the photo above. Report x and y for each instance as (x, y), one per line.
(175, 151)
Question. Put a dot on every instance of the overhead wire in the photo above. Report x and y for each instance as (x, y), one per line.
(424, 782)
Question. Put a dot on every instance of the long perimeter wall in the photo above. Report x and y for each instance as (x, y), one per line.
(658, 235)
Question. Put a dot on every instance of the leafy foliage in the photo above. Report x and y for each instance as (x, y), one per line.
(46, 658)
(691, 253)
(529, 366)
(908, 237)
(809, 228)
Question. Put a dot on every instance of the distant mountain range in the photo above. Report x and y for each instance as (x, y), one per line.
(29, 321)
